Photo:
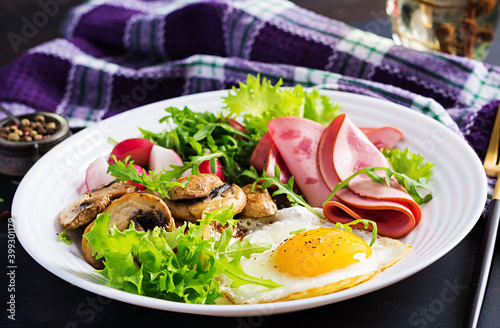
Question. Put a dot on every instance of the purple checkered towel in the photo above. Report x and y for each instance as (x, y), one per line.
(120, 54)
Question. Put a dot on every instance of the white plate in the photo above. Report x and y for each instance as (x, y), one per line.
(57, 179)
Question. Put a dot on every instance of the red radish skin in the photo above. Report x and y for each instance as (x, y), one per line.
(139, 170)
(204, 167)
(237, 125)
(139, 150)
(97, 175)
(161, 158)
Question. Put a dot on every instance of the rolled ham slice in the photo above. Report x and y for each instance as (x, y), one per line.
(383, 137)
(274, 158)
(393, 219)
(343, 150)
(297, 141)
(261, 151)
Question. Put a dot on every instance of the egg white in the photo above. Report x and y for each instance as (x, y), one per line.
(385, 252)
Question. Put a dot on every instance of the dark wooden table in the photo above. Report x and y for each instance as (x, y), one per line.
(434, 297)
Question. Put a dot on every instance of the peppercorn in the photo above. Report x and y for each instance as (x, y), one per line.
(35, 129)
(13, 136)
(25, 122)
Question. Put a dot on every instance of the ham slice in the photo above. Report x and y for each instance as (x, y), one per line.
(383, 137)
(274, 158)
(261, 151)
(343, 150)
(297, 141)
(393, 219)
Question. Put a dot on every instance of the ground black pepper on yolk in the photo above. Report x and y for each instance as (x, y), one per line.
(318, 251)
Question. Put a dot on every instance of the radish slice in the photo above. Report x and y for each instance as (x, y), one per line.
(97, 174)
(204, 167)
(139, 170)
(161, 158)
(139, 150)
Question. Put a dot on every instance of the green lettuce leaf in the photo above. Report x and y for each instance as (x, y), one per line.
(178, 265)
(413, 165)
(259, 102)
(319, 108)
(64, 237)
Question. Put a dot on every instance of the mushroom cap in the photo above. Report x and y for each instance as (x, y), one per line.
(223, 195)
(259, 203)
(83, 210)
(146, 210)
(199, 186)
(87, 251)
(114, 189)
(232, 196)
(86, 207)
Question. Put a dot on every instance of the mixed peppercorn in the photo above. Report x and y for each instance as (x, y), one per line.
(30, 130)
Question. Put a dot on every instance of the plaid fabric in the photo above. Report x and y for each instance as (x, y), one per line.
(120, 54)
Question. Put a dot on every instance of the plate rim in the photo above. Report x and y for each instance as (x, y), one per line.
(231, 309)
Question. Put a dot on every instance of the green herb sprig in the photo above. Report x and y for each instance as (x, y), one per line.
(201, 136)
(154, 181)
(411, 185)
(366, 224)
(286, 189)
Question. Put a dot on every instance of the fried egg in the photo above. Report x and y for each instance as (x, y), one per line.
(309, 257)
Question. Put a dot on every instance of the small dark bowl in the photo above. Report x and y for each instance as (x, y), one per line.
(17, 157)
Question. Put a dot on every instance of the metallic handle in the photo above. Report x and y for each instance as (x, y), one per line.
(483, 265)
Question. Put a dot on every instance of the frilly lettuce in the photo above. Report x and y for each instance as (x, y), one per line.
(178, 265)
(413, 165)
(257, 103)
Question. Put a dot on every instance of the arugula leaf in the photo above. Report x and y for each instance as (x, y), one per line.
(64, 237)
(259, 102)
(154, 181)
(296, 232)
(409, 184)
(275, 180)
(201, 136)
(366, 223)
(239, 277)
(178, 265)
(413, 165)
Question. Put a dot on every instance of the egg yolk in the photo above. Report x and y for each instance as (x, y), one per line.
(318, 251)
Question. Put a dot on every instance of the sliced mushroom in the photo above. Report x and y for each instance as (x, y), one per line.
(199, 186)
(83, 210)
(87, 251)
(87, 206)
(145, 210)
(259, 203)
(189, 203)
(232, 196)
(115, 189)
